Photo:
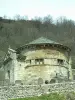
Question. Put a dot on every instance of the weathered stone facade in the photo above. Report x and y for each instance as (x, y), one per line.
(40, 62)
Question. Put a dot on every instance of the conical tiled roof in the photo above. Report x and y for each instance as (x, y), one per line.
(42, 40)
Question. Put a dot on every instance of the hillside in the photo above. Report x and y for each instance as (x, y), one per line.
(19, 32)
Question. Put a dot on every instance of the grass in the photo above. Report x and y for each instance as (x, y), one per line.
(53, 96)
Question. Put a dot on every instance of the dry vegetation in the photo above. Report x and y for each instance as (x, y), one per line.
(20, 31)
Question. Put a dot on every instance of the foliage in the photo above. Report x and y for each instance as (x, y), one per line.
(53, 96)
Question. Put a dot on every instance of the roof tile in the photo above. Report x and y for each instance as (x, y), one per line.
(42, 40)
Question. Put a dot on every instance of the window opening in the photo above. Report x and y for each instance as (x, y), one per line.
(39, 61)
(8, 74)
(36, 61)
(30, 61)
(60, 61)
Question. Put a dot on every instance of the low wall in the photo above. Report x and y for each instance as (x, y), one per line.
(22, 91)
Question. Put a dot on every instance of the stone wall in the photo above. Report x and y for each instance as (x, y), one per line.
(45, 64)
(22, 91)
(32, 64)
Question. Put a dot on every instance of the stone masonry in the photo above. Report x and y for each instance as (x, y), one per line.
(22, 91)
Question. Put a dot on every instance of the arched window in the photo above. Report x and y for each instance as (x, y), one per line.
(52, 81)
(40, 81)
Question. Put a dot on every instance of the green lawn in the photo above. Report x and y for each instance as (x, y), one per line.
(53, 96)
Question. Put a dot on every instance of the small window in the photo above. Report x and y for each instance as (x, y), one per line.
(30, 61)
(68, 73)
(39, 61)
(60, 61)
(36, 61)
(8, 74)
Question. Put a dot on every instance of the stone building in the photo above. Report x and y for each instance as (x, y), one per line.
(41, 61)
